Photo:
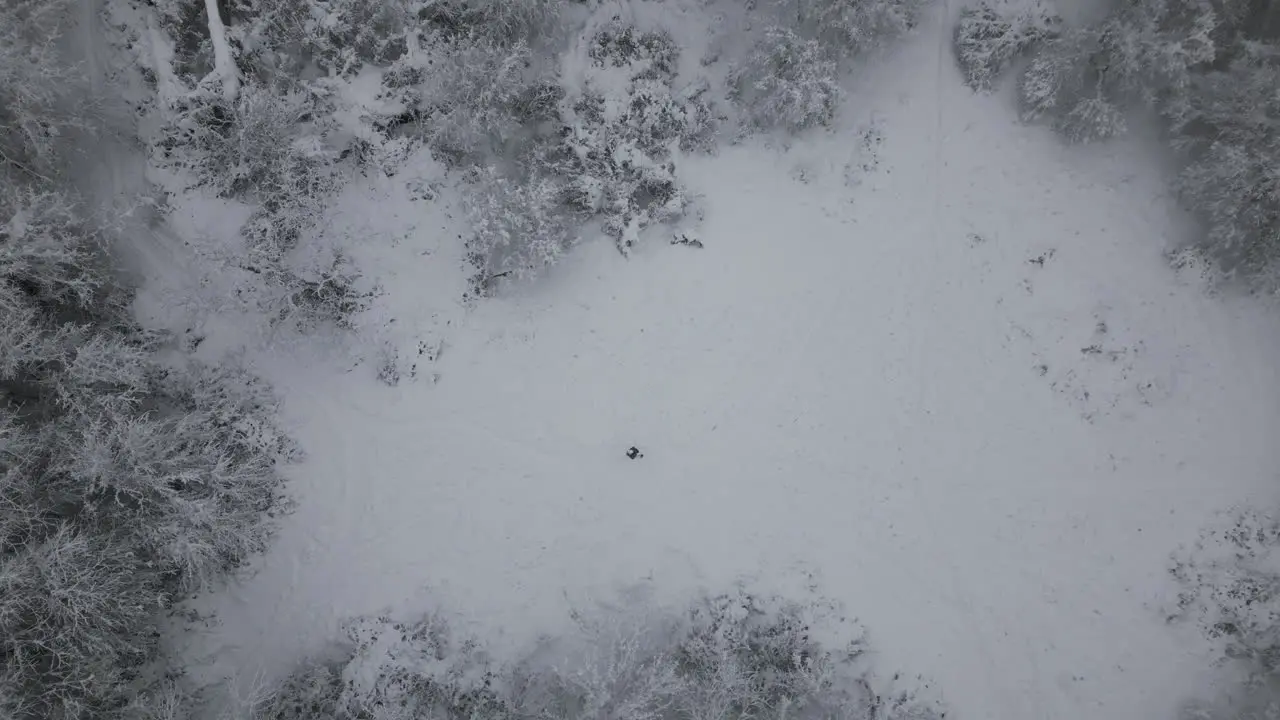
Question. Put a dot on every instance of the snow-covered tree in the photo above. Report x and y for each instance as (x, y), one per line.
(1062, 86)
(606, 152)
(851, 27)
(128, 476)
(1230, 130)
(730, 657)
(503, 22)
(1208, 67)
(622, 131)
(339, 38)
(990, 36)
(125, 480)
(1147, 52)
(471, 100)
(790, 76)
(41, 96)
(787, 82)
(518, 227)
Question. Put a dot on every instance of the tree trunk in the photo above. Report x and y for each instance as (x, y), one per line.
(224, 65)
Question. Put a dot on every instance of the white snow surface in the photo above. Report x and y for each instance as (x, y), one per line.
(862, 379)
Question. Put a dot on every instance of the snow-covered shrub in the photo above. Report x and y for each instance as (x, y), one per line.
(421, 669)
(990, 36)
(1059, 80)
(278, 300)
(790, 77)
(851, 27)
(733, 657)
(652, 112)
(610, 157)
(622, 130)
(1230, 583)
(394, 670)
(518, 227)
(1231, 589)
(619, 161)
(268, 148)
(307, 695)
(1092, 119)
(502, 22)
(649, 55)
(343, 37)
(332, 293)
(788, 82)
(470, 99)
(340, 37)
(266, 145)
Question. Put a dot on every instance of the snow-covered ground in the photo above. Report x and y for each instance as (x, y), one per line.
(932, 361)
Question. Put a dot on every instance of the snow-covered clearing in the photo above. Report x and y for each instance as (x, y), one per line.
(932, 361)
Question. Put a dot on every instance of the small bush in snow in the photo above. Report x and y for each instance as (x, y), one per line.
(646, 55)
(265, 145)
(990, 36)
(1231, 589)
(787, 82)
(735, 656)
